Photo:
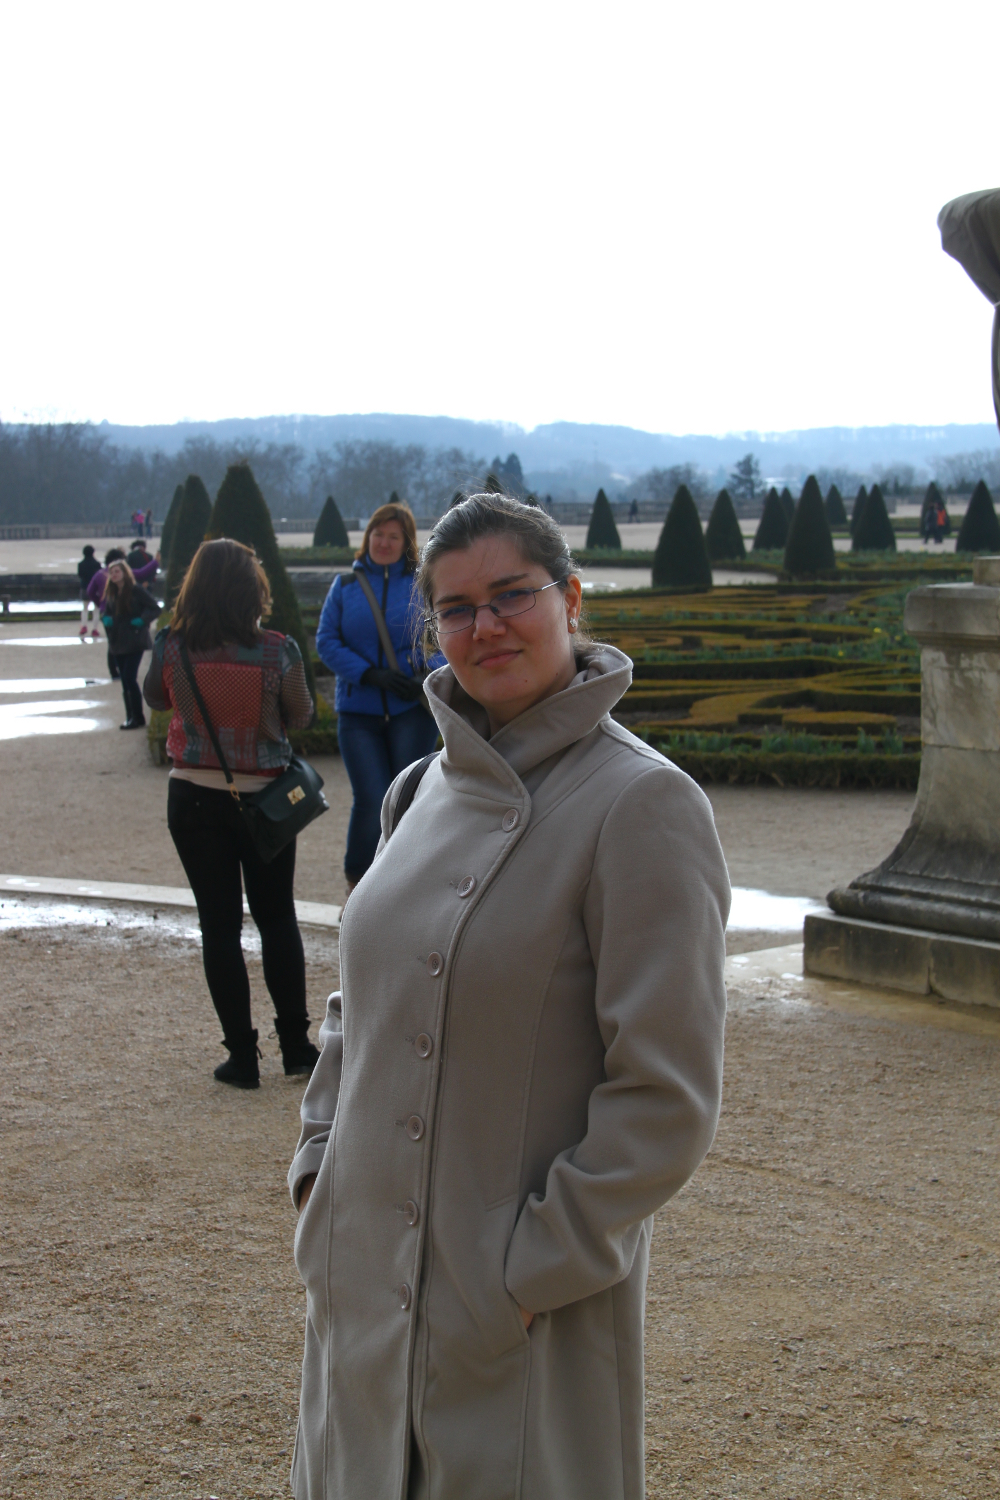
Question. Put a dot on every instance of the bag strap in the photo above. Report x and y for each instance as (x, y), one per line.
(189, 674)
(380, 625)
(408, 790)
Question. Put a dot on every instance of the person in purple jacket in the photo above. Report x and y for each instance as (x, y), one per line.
(381, 725)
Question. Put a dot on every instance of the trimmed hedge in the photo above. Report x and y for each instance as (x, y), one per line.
(835, 512)
(874, 532)
(809, 550)
(860, 501)
(330, 529)
(190, 526)
(980, 529)
(772, 532)
(681, 558)
(748, 768)
(723, 536)
(602, 531)
(169, 526)
(787, 504)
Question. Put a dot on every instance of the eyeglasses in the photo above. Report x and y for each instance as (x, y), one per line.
(511, 602)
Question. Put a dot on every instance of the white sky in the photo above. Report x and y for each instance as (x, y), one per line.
(677, 216)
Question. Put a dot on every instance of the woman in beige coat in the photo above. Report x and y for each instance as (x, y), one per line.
(523, 1065)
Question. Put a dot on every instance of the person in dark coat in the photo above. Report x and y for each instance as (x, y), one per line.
(85, 570)
(127, 612)
(381, 725)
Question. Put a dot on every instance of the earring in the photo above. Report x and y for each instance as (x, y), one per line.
(572, 622)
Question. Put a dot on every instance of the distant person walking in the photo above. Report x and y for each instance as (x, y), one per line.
(149, 523)
(127, 612)
(253, 684)
(85, 570)
(381, 726)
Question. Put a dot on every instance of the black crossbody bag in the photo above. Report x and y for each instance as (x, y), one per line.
(275, 815)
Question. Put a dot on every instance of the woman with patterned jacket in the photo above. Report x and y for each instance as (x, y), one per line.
(254, 686)
(381, 726)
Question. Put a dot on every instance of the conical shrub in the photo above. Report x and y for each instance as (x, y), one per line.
(835, 512)
(787, 504)
(810, 546)
(860, 501)
(723, 536)
(980, 530)
(330, 529)
(169, 527)
(932, 500)
(874, 532)
(681, 558)
(602, 531)
(240, 512)
(193, 516)
(772, 532)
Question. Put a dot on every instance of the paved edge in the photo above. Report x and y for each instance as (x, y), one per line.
(309, 913)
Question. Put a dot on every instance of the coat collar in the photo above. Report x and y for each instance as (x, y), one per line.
(534, 736)
(396, 569)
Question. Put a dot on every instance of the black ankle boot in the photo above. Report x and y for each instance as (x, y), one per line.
(240, 1068)
(299, 1057)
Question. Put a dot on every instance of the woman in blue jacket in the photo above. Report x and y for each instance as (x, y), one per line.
(381, 725)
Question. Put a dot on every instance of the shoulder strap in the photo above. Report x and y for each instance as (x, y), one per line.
(408, 790)
(189, 674)
(380, 625)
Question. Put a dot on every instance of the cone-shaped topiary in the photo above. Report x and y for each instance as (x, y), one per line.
(602, 531)
(330, 529)
(681, 558)
(873, 532)
(169, 526)
(240, 512)
(190, 527)
(773, 529)
(980, 529)
(860, 501)
(492, 485)
(723, 536)
(835, 512)
(932, 500)
(810, 546)
(787, 504)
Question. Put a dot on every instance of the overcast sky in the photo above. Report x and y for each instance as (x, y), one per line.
(680, 217)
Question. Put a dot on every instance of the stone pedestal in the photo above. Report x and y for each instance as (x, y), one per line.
(928, 918)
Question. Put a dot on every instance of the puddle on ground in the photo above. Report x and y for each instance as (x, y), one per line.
(50, 684)
(16, 914)
(47, 640)
(48, 606)
(54, 716)
(759, 911)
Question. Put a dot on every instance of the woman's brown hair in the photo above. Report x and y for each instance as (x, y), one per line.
(120, 596)
(223, 599)
(404, 515)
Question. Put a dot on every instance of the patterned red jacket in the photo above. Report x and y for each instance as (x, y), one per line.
(252, 695)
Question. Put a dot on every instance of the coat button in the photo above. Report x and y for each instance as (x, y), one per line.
(414, 1127)
(405, 1296)
(467, 886)
(424, 1045)
(435, 963)
(411, 1213)
(511, 818)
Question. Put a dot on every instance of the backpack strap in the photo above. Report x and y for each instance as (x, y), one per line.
(408, 790)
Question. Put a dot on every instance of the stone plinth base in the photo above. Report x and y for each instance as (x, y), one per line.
(902, 958)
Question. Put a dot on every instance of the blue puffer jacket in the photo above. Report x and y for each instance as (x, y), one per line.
(348, 641)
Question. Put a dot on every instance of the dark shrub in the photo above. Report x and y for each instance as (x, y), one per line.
(860, 501)
(240, 512)
(193, 515)
(169, 526)
(681, 558)
(330, 529)
(773, 529)
(835, 512)
(810, 545)
(602, 531)
(873, 531)
(932, 500)
(980, 530)
(723, 536)
(787, 504)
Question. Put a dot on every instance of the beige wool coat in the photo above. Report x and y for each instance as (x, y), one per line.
(525, 1064)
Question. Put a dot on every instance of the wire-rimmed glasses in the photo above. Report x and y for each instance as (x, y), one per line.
(456, 617)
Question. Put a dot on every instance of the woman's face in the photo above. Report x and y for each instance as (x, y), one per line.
(386, 544)
(510, 663)
(116, 574)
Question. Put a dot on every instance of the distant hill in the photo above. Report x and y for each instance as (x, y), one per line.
(562, 446)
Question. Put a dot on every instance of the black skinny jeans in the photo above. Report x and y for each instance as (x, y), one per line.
(128, 670)
(213, 843)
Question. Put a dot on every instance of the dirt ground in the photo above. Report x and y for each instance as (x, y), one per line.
(822, 1301)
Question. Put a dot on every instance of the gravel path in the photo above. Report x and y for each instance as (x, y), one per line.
(822, 1312)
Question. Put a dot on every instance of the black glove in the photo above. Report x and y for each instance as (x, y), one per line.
(407, 688)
